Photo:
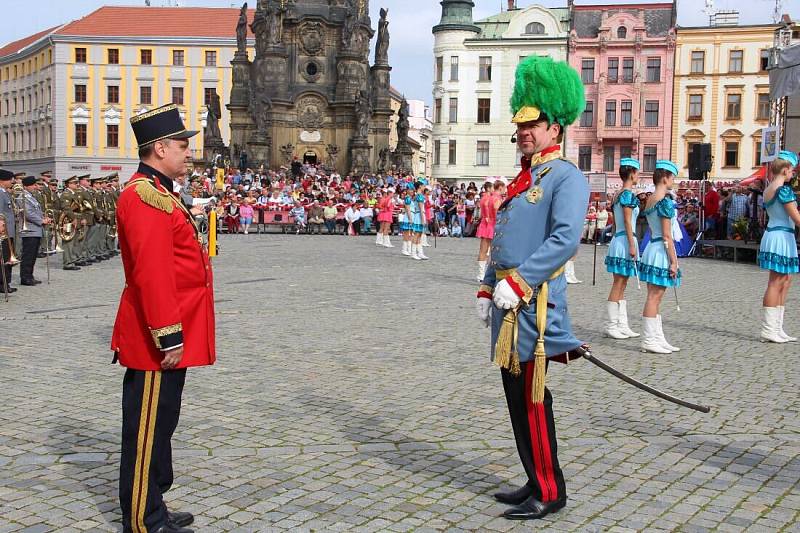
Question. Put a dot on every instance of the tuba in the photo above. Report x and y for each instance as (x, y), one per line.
(66, 229)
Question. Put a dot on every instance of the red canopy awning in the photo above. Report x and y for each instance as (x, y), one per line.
(758, 175)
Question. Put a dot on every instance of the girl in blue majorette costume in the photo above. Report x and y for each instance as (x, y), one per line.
(418, 220)
(404, 218)
(623, 252)
(778, 250)
(659, 264)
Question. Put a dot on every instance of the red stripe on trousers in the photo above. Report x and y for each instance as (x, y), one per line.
(540, 444)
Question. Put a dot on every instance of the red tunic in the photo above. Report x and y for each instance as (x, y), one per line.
(169, 296)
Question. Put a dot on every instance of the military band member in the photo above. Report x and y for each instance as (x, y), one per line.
(55, 206)
(31, 233)
(7, 212)
(165, 321)
(44, 195)
(524, 295)
(70, 202)
(112, 195)
(98, 244)
(85, 231)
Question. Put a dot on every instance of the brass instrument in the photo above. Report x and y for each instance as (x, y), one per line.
(51, 230)
(111, 232)
(20, 212)
(12, 260)
(66, 229)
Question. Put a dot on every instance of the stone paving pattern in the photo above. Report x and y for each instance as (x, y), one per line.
(353, 392)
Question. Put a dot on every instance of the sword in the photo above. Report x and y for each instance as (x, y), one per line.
(587, 354)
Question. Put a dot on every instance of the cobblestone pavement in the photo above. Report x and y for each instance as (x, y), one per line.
(353, 393)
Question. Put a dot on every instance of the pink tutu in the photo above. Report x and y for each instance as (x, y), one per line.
(485, 229)
(385, 216)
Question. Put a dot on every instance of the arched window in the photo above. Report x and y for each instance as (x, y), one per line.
(534, 28)
(622, 32)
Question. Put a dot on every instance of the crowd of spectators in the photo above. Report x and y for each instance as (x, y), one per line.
(313, 200)
(310, 199)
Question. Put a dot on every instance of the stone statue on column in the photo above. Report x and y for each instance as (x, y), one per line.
(241, 31)
(363, 112)
(274, 23)
(382, 44)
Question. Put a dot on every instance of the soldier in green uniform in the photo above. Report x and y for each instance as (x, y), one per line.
(88, 231)
(98, 242)
(52, 187)
(112, 194)
(45, 198)
(70, 204)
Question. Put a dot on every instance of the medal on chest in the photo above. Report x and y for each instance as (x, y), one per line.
(536, 192)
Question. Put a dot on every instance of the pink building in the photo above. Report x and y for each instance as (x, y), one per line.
(625, 56)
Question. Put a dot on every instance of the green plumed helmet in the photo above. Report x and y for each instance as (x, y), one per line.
(550, 87)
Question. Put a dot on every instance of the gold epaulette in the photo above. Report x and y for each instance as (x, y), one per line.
(153, 197)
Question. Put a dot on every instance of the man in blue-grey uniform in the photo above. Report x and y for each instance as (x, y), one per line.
(31, 234)
(524, 291)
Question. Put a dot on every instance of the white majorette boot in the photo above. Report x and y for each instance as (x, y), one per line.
(481, 271)
(782, 333)
(415, 252)
(612, 326)
(421, 254)
(379, 239)
(424, 241)
(623, 320)
(650, 340)
(663, 339)
(387, 241)
(406, 248)
(569, 273)
(770, 326)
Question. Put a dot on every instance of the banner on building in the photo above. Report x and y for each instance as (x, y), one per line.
(769, 144)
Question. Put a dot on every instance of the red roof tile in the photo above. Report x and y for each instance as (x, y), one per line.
(118, 21)
(16, 46)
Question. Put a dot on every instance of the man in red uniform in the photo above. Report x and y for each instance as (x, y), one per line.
(165, 321)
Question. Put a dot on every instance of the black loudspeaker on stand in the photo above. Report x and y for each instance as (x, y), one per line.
(700, 161)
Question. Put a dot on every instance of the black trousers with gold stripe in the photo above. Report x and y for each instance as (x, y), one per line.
(151, 406)
(535, 434)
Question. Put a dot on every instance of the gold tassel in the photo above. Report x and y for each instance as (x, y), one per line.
(153, 197)
(539, 371)
(539, 354)
(505, 339)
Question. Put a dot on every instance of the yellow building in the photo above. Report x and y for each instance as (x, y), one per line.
(721, 95)
(67, 93)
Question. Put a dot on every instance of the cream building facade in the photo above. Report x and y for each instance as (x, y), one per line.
(420, 132)
(721, 96)
(474, 67)
(67, 93)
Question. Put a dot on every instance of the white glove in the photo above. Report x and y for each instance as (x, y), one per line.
(504, 296)
(484, 306)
